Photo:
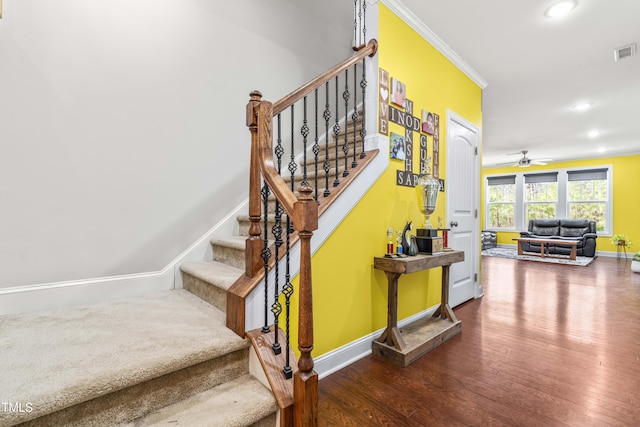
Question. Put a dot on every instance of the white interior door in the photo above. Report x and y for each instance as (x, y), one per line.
(462, 189)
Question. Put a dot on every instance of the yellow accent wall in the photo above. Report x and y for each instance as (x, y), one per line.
(350, 297)
(626, 202)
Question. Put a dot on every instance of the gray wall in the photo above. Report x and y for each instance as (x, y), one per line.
(122, 134)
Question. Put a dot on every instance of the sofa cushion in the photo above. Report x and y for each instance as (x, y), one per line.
(545, 227)
(574, 227)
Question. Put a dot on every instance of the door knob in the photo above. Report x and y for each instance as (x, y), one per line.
(453, 223)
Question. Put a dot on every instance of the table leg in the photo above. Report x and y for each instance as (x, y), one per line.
(542, 249)
(519, 247)
(445, 311)
(572, 255)
(391, 336)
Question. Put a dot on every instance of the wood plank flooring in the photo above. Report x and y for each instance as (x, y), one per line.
(548, 345)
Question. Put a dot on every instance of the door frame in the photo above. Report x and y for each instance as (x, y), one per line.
(454, 117)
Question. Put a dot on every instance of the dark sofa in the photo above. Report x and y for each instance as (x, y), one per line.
(582, 230)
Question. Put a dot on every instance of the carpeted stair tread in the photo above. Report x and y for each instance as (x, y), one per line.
(240, 402)
(60, 358)
(232, 242)
(218, 274)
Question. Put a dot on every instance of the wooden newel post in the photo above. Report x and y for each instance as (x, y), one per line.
(305, 386)
(254, 243)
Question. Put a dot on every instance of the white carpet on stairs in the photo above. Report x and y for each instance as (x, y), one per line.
(58, 358)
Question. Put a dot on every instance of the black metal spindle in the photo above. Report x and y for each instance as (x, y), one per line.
(276, 307)
(354, 116)
(363, 9)
(336, 132)
(266, 255)
(327, 164)
(279, 149)
(304, 131)
(316, 147)
(287, 290)
(356, 41)
(363, 130)
(345, 148)
(292, 161)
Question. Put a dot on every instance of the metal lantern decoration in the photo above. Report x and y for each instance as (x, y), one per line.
(427, 189)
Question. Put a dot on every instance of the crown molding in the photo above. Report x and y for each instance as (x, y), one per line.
(397, 7)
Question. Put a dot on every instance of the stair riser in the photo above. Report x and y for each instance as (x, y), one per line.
(269, 421)
(230, 256)
(205, 290)
(144, 398)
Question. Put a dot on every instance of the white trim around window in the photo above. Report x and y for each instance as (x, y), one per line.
(563, 199)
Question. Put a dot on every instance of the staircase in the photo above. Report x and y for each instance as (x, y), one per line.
(161, 359)
(183, 357)
(165, 358)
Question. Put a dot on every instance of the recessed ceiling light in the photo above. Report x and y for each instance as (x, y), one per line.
(560, 8)
(602, 150)
(593, 133)
(582, 106)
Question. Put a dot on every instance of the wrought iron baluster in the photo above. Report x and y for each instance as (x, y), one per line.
(356, 41)
(276, 307)
(292, 162)
(336, 133)
(363, 130)
(345, 148)
(354, 116)
(304, 131)
(266, 255)
(316, 147)
(287, 290)
(327, 164)
(363, 10)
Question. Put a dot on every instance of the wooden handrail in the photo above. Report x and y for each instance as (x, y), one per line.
(303, 211)
(369, 50)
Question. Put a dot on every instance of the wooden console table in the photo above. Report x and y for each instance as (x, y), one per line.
(405, 346)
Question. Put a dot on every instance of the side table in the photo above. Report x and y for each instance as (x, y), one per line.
(402, 347)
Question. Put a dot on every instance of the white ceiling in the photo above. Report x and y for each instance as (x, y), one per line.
(537, 68)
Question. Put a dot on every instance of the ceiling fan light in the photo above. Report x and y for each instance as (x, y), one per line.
(560, 8)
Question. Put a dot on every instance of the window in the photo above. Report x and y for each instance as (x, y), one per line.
(588, 196)
(501, 202)
(512, 200)
(541, 195)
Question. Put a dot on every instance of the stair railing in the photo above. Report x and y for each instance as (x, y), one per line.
(301, 210)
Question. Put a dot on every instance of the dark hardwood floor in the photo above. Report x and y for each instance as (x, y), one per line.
(547, 345)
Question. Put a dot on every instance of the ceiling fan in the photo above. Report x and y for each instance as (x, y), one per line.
(525, 162)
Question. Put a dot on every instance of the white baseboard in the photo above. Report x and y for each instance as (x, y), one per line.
(343, 356)
(607, 254)
(28, 299)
